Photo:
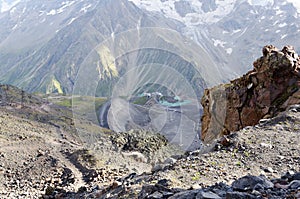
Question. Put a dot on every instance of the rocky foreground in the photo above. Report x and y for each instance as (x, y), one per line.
(257, 162)
(39, 160)
(45, 153)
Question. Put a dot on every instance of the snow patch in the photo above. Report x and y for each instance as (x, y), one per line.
(41, 13)
(15, 27)
(71, 21)
(261, 2)
(6, 6)
(64, 4)
(219, 43)
(236, 31)
(13, 10)
(113, 36)
(229, 51)
(283, 36)
(52, 12)
(279, 12)
(85, 8)
(276, 22)
(282, 25)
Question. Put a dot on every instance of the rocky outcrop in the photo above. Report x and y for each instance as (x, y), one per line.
(268, 89)
(144, 142)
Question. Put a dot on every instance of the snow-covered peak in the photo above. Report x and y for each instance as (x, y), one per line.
(195, 12)
(192, 12)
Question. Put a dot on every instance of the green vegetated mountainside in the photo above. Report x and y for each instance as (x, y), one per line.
(94, 45)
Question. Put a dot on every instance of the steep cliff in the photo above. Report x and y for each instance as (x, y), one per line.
(269, 88)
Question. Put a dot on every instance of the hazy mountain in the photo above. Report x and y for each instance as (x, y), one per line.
(233, 30)
(47, 46)
(44, 44)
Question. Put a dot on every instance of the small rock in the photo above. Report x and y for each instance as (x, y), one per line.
(288, 176)
(239, 195)
(185, 195)
(82, 189)
(170, 161)
(280, 186)
(294, 108)
(248, 183)
(167, 194)
(156, 195)
(196, 186)
(258, 187)
(225, 141)
(280, 157)
(207, 195)
(269, 170)
(157, 167)
(263, 121)
(296, 176)
(256, 193)
(49, 190)
(115, 184)
(266, 145)
(137, 156)
(295, 184)
(164, 182)
(220, 192)
(177, 157)
(40, 153)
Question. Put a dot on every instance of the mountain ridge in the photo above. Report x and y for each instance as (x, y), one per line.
(55, 65)
(242, 29)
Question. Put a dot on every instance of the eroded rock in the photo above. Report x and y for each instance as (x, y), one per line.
(263, 92)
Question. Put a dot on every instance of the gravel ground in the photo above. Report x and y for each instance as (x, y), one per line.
(45, 160)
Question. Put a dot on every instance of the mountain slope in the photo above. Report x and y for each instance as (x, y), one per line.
(49, 58)
(230, 31)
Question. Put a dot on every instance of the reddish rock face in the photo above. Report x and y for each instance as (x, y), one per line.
(263, 92)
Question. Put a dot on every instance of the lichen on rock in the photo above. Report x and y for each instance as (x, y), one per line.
(263, 92)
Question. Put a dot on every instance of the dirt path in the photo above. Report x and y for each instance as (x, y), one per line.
(59, 143)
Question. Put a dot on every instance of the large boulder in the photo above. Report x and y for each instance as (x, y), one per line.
(263, 92)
